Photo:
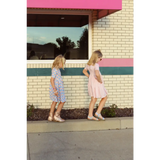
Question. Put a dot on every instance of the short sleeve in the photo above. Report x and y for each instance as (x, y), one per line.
(86, 67)
(54, 72)
(96, 66)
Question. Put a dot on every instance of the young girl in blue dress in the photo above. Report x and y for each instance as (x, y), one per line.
(56, 89)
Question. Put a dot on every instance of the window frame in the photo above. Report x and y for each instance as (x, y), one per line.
(66, 12)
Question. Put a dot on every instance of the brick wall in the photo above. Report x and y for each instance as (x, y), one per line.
(74, 86)
(114, 36)
(114, 33)
(120, 88)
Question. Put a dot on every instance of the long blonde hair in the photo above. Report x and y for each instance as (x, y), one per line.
(95, 55)
(59, 59)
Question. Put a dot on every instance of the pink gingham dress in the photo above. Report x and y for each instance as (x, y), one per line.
(95, 89)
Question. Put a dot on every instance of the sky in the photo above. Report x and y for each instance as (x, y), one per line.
(42, 35)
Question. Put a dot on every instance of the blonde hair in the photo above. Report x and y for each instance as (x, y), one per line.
(59, 59)
(95, 55)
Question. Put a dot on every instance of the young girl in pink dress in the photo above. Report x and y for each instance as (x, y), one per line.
(96, 87)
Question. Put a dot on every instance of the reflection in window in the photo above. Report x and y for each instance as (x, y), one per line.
(51, 35)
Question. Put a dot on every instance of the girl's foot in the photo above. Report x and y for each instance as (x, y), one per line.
(50, 117)
(98, 115)
(57, 118)
(92, 118)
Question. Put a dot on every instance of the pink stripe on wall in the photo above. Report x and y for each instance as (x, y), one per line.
(76, 4)
(116, 62)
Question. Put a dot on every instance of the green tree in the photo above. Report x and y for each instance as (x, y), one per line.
(65, 44)
(83, 43)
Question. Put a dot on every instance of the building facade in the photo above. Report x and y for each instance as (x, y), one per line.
(111, 31)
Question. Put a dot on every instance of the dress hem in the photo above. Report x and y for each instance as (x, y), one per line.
(99, 97)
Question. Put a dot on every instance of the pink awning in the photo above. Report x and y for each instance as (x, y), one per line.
(104, 7)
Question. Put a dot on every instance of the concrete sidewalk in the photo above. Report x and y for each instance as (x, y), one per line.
(81, 139)
(80, 125)
(88, 145)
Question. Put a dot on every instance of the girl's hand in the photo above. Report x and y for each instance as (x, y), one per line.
(98, 80)
(56, 92)
(98, 76)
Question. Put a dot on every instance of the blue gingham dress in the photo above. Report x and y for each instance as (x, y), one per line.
(58, 82)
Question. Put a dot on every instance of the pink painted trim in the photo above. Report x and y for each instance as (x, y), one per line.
(76, 4)
(116, 62)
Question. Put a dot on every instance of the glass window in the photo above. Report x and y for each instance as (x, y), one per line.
(49, 35)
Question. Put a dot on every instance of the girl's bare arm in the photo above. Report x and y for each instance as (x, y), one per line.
(98, 77)
(52, 83)
(85, 73)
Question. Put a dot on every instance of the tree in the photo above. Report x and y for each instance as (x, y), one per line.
(65, 45)
(83, 43)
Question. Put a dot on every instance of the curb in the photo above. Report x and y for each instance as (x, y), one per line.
(79, 125)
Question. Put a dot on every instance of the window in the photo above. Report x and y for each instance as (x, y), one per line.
(50, 34)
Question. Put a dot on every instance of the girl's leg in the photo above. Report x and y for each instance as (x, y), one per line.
(91, 106)
(60, 106)
(57, 113)
(53, 105)
(101, 105)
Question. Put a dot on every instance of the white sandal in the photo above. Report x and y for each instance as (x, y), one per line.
(92, 118)
(98, 115)
(57, 118)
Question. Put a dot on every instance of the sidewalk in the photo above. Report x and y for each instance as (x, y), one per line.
(81, 140)
(88, 145)
(80, 125)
